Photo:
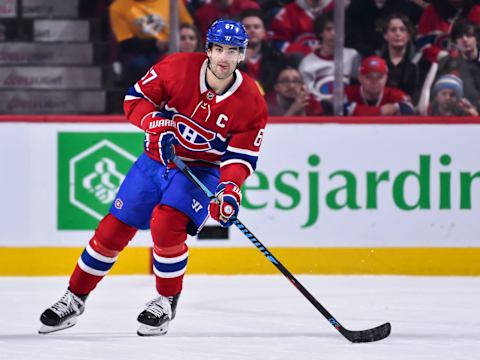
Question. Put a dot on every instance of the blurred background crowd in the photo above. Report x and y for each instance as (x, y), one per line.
(400, 57)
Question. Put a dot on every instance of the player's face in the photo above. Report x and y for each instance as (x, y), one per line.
(255, 29)
(397, 35)
(373, 83)
(223, 60)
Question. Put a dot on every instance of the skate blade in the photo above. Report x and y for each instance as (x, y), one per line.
(147, 330)
(45, 329)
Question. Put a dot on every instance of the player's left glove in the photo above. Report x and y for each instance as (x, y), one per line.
(227, 204)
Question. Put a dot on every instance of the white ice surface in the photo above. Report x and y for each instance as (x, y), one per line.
(250, 317)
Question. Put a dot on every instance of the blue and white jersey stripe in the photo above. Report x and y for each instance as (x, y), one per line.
(94, 263)
(135, 93)
(241, 156)
(169, 267)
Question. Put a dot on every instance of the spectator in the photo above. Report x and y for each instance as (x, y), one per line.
(141, 30)
(190, 39)
(291, 97)
(447, 94)
(318, 67)
(262, 62)
(292, 27)
(194, 5)
(221, 9)
(464, 60)
(406, 68)
(372, 97)
(362, 23)
(436, 22)
(413, 9)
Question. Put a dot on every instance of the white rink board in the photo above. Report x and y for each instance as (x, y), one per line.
(373, 148)
(28, 210)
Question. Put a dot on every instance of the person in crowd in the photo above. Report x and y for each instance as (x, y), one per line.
(372, 97)
(262, 61)
(292, 27)
(141, 28)
(448, 100)
(406, 67)
(464, 59)
(226, 9)
(436, 23)
(318, 67)
(194, 5)
(363, 22)
(290, 96)
(190, 39)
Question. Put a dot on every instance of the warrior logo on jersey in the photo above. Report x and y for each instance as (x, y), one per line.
(191, 135)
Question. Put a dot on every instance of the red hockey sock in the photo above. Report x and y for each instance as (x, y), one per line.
(170, 255)
(100, 255)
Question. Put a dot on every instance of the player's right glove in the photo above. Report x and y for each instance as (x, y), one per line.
(225, 207)
(160, 135)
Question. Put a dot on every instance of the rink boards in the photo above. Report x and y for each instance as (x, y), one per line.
(399, 196)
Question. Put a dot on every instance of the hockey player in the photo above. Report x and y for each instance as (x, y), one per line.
(213, 117)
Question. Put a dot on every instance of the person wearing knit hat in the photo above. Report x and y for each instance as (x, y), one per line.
(451, 82)
(448, 100)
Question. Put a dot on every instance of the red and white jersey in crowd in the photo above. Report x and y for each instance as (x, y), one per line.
(357, 105)
(210, 12)
(292, 27)
(434, 31)
(222, 129)
(318, 72)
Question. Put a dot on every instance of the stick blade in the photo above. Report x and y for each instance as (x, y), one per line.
(370, 335)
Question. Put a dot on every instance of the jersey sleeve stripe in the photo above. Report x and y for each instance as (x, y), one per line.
(230, 156)
(132, 94)
(142, 95)
(239, 161)
(242, 151)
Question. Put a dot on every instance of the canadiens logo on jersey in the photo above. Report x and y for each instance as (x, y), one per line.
(191, 135)
(212, 128)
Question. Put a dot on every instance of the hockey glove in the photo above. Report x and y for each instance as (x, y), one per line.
(226, 206)
(157, 123)
(160, 136)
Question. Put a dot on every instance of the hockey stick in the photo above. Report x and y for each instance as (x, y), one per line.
(355, 336)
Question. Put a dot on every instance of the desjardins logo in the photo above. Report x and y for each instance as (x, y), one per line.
(288, 184)
(91, 167)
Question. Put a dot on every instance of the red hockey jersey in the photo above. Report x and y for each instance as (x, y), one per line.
(434, 31)
(222, 129)
(292, 28)
(358, 106)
